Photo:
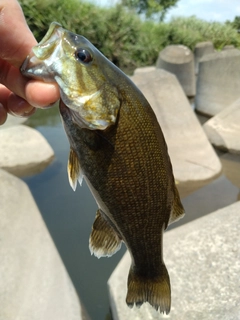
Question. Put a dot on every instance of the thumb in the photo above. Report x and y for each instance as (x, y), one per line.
(16, 38)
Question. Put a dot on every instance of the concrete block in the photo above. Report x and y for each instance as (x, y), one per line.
(12, 121)
(231, 168)
(200, 50)
(179, 60)
(192, 156)
(203, 260)
(144, 69)
(34, 283)
(24, 150)
(229, 47)
(218, 83)
(223, 130)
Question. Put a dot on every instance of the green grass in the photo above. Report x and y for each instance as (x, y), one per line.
(121, 35)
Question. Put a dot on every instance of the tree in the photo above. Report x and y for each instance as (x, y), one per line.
(236, 23)
(151, 8)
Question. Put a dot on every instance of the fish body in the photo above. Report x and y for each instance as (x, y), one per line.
(117, 145)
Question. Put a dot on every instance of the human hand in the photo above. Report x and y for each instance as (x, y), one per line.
(19, 95)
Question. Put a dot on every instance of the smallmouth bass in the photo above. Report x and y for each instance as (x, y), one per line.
(117, 146)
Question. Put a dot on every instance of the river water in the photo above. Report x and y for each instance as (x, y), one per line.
(69, 215)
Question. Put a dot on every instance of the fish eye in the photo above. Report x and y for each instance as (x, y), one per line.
(83, 55)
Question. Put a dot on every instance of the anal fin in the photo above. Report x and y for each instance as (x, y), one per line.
(104, 241)
(177, 209)
(74, 170)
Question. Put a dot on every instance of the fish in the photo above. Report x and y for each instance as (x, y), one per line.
(118, 148)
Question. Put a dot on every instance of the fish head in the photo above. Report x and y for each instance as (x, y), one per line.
(82, 75)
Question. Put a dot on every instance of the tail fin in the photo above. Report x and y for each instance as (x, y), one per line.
(155, 290)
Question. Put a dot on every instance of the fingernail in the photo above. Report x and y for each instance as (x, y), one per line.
(28, 113)
(48, 106)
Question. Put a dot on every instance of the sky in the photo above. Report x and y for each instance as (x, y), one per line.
(210, 10)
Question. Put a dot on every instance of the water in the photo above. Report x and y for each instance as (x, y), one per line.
(69, 215)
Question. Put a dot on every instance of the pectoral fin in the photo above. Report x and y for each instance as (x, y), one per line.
(104, 241)
(74, 170)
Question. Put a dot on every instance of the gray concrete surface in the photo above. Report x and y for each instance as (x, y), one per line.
(223, 130)
(200, 50)
(218, 83)
(231, 168)
(24, 150)
(144, 69)
(179, 60)
(229, 47)
(203, 260)
(192, 155)
(13, 121)
(34, 284)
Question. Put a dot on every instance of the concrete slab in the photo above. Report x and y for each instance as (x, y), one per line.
(144, 69)
(12, 121)
(34, 283)
(192, 156)
(23, 150)
(231, 167)
(229, 47)
(179, 60)
(203, 260)
(200, 50)
(218, 83)
(223, 130)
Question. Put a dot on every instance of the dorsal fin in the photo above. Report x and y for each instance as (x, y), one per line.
(74, 170)
(104, 240)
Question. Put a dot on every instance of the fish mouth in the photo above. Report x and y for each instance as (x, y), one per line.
(46, 46)
(37, 63)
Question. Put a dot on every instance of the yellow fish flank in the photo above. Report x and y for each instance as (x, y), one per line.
(117, 146)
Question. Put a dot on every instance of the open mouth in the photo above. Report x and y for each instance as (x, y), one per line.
(38, 62)
(47, 45)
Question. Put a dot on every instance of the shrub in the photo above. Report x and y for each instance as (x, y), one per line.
(113, 31)
(190, 31)
(78, 16)
(122, 35)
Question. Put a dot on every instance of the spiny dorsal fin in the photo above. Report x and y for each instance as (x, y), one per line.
(104, 241)
(74, 170)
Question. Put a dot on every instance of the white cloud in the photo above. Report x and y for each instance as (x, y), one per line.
(238, 10)
(211, 10)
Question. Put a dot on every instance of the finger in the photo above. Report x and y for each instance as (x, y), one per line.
(41, 94)
(19, 107)
(3, 114)
(37, 93)
(16, 43)
(4, 94)
(13, 104)
(16, 38)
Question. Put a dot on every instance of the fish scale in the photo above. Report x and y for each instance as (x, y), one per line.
(117, 145)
